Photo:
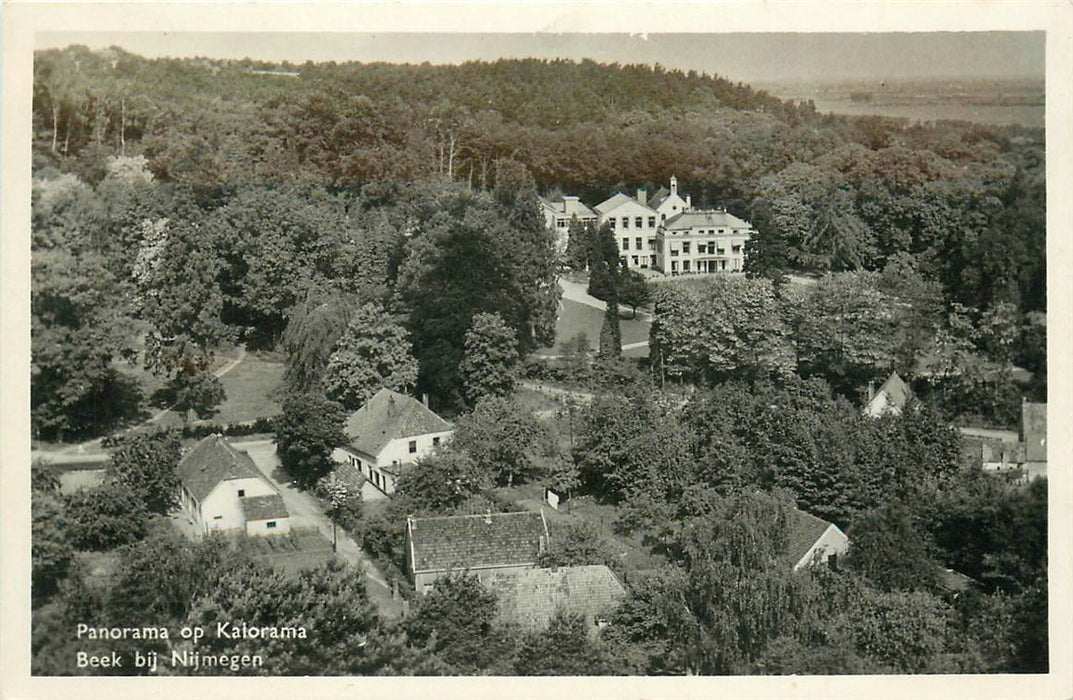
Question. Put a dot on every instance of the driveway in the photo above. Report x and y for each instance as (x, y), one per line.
(306, 511)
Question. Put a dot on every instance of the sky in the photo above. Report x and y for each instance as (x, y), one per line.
(740, 56)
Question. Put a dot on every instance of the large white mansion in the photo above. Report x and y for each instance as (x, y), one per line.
(664, 233)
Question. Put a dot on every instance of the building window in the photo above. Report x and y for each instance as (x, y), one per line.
(685, 266)
(637, 243)
(435, 442)
(625, 222)
(612, 222)
(736, 249)
(561, 223)
(662, 217)
(638, 222)
(271, 525)
(635, 261)
(241, 493)
(217, 517)
(674, 266)
(685, 247)
(674, 253)
(413, 446)
(651, 222)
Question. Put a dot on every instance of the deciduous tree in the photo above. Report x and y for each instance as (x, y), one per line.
(372, 354)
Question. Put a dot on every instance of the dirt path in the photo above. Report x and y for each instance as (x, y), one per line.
(306, 511)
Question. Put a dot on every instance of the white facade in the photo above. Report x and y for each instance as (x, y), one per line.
(634, 227)
(268, 527)
(702, 242)
(672, 204)
(221, 510)
(382, 470)
(558, 214)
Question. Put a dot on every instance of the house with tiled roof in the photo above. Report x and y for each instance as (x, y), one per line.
(891, 397)
(814, 540)
(530, 598)
(221, 490)
(478, 544)
(559, 212)
(702, 241)
(388, 434)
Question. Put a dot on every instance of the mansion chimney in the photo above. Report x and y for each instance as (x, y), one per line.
(642, 196)
(674, 185)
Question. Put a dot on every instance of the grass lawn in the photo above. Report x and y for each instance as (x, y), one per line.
(249, 388)
(577, 318)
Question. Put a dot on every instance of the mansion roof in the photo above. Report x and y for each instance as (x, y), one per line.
(697, 218)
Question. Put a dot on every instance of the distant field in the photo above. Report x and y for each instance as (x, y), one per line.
(1025, 115)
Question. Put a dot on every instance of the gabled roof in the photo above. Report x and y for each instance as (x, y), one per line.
(704, 217)
(464, 542)
(387, 416)
(657, 199)
(211, 461)
(263, 507)
(897, 394)
(569, 206)
(617, 200)
(805, 529)
(531, 597)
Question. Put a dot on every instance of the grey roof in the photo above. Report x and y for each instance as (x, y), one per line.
(263, 507)
(704, 217)
(211, 461)
(614, 201)
(657, 199)
(387, 416)
(569, 206)
(531, 597)
(805, 529)
(476, 541)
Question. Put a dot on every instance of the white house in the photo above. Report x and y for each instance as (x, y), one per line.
(891, 397)
(558, 214)
(702, 241)
(222, 490)
(634, 226)
(814, 540)
(389, 433)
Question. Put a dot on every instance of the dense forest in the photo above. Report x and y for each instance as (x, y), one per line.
(379, 225)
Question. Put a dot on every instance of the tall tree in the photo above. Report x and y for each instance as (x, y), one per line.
(372, 354)
(308, 429)
(490, 363)
(146, 462)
